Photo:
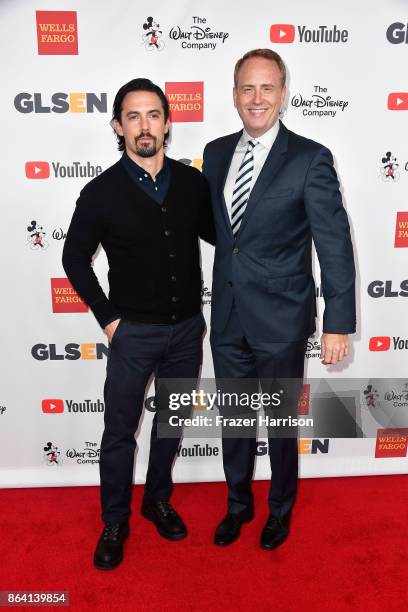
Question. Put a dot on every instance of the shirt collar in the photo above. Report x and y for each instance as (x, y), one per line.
(266, 140)
(134, 167)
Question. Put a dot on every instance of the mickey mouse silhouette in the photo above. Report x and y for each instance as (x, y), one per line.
(36, 236)
(389, 167)
(152, 37)
(370, 395)
(52, 454)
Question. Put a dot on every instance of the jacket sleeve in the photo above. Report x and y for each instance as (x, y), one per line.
(85, 232)
(207, 226)
(331, 234)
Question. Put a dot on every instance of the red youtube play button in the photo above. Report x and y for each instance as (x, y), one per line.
(52, 406)
(282, 33)
(37, 170)
(398, 101)
(380, 343)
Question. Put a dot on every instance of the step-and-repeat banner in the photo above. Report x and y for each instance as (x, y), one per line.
(62, 65)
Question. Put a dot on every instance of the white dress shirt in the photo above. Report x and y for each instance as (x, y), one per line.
(260, 153)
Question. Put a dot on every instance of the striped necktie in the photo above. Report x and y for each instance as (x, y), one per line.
(242, 187)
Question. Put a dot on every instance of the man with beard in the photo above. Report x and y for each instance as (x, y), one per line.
(148, 212)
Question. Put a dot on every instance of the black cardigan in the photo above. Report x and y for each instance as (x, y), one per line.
(152, 249)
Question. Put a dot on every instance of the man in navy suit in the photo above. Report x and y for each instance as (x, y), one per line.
(273, 192)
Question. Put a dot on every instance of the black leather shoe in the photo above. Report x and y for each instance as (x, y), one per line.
(168, 523)
(229, 529)
(275, 531)
(109, 550)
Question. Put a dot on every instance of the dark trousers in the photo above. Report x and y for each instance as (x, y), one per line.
(139, 350)
(237, 357)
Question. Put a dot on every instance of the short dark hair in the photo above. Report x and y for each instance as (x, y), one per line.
(266, 54)
(136, 85)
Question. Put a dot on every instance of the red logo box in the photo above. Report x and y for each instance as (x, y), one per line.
(282, 33)
(57, 32)
(37, 170)
(380, 343)
(186, 101)
(398, 101)
(401, 230)
(65, 298)
(304, 400)
(392, 442)
(52, 406)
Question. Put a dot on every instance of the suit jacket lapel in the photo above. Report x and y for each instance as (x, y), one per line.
(273, 163)
(222, 177)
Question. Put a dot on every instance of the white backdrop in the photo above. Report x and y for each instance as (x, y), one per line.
(103, 45)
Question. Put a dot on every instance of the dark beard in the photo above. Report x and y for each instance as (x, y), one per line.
(146, 150)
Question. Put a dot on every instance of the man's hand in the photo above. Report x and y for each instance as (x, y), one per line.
(334, 348)
(110, 329)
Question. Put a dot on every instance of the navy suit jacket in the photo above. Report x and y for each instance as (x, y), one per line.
(267, 268)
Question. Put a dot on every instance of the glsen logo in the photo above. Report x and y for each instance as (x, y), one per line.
(392, 442)
(305, 447)
(304, 400)
(73, 352)
(41, 170)
(398, 101)
(199, 36)
(401, 230)
(36, 237)
(2, 410)
(65, 298)
(378, 288)
(319, 104)
(379, 343)
(57, 32)
(56, 406)
(186, 101)
(88, 456)
(52, 406)
(397, 33)
(383, 343)
(61, 103)
(37, 170)
(285, 33)
(389, 170)
(282, 33)
(198, 450)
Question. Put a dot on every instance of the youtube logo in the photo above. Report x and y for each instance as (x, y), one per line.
(398, 101)
(380, 343)
(52, 406)
(282, 33)
(37, 169)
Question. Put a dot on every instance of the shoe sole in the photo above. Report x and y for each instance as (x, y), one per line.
(247, 520)
(167, 536)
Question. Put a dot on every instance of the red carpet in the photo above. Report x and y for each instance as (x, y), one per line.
(348, 550)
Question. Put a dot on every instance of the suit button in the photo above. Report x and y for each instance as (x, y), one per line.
(230, 283)
(174, 299)
(171, 255)
(164, 209)
(173, 318)
(167, 233)
(236, 250)
(173, 278)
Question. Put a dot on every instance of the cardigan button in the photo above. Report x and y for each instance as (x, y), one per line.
(167, 233)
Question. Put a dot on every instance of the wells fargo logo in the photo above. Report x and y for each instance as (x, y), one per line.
(57, 32)
(392, 442)
(65, 298)
(401, 230)
(186, 101)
